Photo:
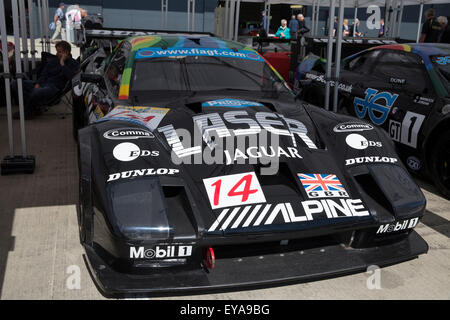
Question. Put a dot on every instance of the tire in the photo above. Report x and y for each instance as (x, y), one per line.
(440, 163)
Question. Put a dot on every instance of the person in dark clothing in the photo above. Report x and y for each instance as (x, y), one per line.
(445, 37)
(302, 28)
(431, 29)
(354, 29)
(293, 27)
(56, 73)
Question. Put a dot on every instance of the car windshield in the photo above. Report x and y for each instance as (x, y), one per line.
(203, 74)
(442, 64)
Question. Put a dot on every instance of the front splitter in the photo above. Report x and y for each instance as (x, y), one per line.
(254, 271)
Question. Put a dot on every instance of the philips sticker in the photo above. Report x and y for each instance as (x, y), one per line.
(231, 103)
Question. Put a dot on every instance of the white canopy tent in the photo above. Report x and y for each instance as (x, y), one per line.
(393, 19)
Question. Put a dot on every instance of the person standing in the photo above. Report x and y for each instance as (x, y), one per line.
(354, 29)
(383, 29)
(431, 28)
(59, 21)
(264, 21)
(293, 27)
(302, 28)
(283, 31)
(444, 37)
(345, 29)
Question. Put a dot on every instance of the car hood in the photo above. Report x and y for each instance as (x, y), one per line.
(298, 168)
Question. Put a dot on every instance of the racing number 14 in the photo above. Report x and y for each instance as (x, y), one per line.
(234, 190)
(233, 193)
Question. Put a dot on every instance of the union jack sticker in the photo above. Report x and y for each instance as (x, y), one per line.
(322, 185)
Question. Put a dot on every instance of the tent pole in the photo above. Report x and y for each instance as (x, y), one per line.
(354, 19)
(188, 15)
(41, 32)
(420, 22)
(24, 35)
(32, 36)
(19, 75)
(400, 19)
(338, 54)
(225, 25)
(313, 18)
(231, 18)
(329, 52)
(7, 77)
(193, 16)
(268, 18)
(236, 22)
(386, 18)
(317, 18)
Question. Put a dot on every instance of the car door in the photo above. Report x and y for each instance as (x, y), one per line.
(407, 92)
(357, 77)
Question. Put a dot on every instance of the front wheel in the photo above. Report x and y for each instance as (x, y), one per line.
(440, 163)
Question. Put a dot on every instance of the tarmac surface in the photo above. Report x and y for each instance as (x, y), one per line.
(41, 257)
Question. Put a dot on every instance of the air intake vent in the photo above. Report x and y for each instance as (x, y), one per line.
(370, 187)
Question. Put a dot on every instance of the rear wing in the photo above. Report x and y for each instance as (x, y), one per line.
(120, 34)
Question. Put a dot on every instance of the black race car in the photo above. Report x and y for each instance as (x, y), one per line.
(405, 89)
(200, 171)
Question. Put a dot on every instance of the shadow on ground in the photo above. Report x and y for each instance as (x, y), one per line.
(55, 181)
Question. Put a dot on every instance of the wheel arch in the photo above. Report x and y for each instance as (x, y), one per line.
(431, 140)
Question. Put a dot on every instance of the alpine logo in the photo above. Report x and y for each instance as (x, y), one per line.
(160, 252)
(127, 134)
(352, 127)
(269, 214)
(398, 226)
(378, 113)
(322, 186)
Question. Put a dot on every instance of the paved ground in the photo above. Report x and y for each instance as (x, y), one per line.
(40, 256)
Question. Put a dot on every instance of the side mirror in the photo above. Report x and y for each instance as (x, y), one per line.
(93, 78)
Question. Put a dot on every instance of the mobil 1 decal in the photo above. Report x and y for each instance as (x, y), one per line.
(407, 131)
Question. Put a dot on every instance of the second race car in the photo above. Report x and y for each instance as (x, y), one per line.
(404, 89)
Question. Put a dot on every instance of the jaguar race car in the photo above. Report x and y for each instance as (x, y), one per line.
(200, 171)
(404, 89)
